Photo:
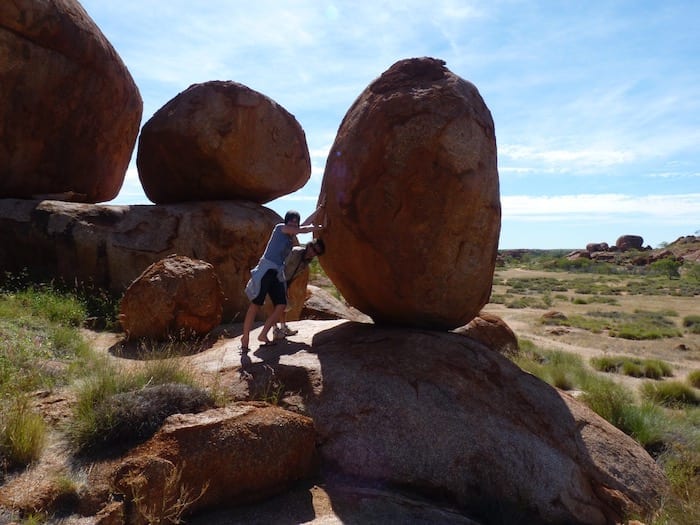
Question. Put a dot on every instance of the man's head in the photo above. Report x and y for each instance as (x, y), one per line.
(292, 216)
(315, 248)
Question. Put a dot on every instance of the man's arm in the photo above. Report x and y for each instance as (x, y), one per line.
(312, 218)
(305, 227)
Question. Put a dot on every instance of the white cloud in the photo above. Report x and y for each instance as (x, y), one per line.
(571, 159)
(671, 209)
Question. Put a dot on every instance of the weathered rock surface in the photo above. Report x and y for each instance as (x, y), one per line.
(236, 454)
(110, 246)
(412, 426)
(69, 111)
(176, 296)
(412, 199)
(433, 412)
(221, 140)
(629, 242)
(491, 331)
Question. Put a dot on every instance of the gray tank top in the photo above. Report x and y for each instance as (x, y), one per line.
(279, 246)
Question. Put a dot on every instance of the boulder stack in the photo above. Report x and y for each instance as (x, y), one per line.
(411, 193)
(69, 111)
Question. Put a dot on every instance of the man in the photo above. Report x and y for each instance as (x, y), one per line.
(267, 278)
(297, 261)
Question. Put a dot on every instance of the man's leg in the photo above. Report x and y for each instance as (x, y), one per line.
(248, 324)
(270, 321)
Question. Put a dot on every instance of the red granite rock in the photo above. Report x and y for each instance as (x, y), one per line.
(412, 199)
(174, 297)
(69, 110)
(218, 141)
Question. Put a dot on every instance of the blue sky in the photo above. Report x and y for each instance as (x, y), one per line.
(596, 103)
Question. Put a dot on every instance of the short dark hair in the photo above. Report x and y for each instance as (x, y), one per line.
(291, 214)
(319, 246)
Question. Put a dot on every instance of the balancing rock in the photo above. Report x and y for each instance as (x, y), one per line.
(411, 196)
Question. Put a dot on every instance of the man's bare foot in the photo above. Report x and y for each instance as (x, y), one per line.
(264, 341)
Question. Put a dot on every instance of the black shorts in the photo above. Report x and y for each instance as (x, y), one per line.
(270, 284)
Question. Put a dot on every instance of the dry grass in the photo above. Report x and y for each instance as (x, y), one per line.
(681, 352)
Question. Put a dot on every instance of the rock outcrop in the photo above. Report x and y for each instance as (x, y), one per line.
(320, 304)
(412, 203)
(432, 412)
(596, 247)
(237, 454)
(174, 297)
(110, 246)
(219, 141)
(629, 242)
(69, 112)
(491, 331)
(401, 416)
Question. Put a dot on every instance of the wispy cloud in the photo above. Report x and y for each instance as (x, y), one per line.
(586, 97)
(672, 209)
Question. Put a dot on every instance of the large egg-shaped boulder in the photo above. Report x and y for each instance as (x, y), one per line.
(412, 202)
(69, 111)
(221, 140)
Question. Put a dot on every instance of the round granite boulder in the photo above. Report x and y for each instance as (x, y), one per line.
(221, 141)
(69, 110)
(411, 195)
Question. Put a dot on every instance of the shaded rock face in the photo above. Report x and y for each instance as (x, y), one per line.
(176, 296)
(431, 411)
(629, 242)
(240, 453)
(110, 246)
(412, 199)
(69, 111)
(221, 140)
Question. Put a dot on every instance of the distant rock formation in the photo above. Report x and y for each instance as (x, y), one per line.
(597, 247)
(629, 242)
(69, 112)
(221, 141)
(412, 198)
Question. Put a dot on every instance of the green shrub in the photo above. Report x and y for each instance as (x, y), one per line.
(640, 325)
(46, 303)
(563, 370)
(632, 366)
(692, 323)
(608, 399)
(587, 323)
(22, 433)
(120, 408)
(694, 378)
(670, 393)
(646, 423)
(691, 271)
(38, 327)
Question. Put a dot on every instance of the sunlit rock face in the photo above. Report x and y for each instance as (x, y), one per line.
(411, 194)
(222, 141)
(69, 110)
